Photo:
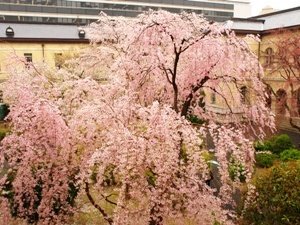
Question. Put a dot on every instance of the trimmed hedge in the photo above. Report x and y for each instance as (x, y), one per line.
(290, 154)
(277, 201)
(264, 160)
(276, 144)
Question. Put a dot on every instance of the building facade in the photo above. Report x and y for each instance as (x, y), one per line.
(48, 42)
(39, 42)
(43, 29)
(279, 54)
(86, 11)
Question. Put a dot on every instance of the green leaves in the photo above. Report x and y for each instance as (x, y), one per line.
(264, 160)
(278, 199)
(290, 154)
(276, 144)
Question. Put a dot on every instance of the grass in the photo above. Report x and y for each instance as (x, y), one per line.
(4, 129)
(259, 172)
(87, 214)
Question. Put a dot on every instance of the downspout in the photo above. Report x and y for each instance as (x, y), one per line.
(258, 53)
(43, 52)
(258, 58)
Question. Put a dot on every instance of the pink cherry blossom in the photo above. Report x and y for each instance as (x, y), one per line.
(132, 126)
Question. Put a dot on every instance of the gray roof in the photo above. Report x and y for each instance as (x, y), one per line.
(280, 20)
(265, 22)
(41, 31)
(64, 32)
(248, 24)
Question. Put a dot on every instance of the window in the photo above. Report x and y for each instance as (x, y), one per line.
(28, 58)
(25, 1)
(213, 98)
(1, 96)
(201, 102)
(58, 60)
(269, 56)
(295, 103)
(298, 101)
(281, 101)
(268, 92)
(244, 95)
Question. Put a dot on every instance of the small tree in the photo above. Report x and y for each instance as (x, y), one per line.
(133, 126)
(276, 198)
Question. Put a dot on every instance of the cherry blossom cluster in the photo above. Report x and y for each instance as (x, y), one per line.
(115, 120)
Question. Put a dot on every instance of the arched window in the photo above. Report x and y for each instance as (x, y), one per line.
(1, 96)
(201, 102)
(296, 103)
(268, 97)
(28, 59)
(244, 95)
(281, 101)
(298, 100)
(213, 98)
(58, 59)
(269, 56)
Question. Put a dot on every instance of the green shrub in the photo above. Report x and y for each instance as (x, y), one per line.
(208, 158)
(276, 144)
(2, 135)
(259, 146)
(264, 160)
(290, 154)
(268, 145)
(194, 119)
(277, 201)
(280, 143)
(151, 177)
(4, 110)
(4, 130)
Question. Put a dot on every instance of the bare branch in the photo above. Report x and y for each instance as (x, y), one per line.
(92, 201)
(225, 99)
(106, 198)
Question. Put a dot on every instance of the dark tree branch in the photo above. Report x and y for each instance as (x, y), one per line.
(293, 124)
(175, 87)
(197, 40)
(92, 201)
(186, 105)
(166, 73)
(290, 118)
(106, 198)
(226, 102)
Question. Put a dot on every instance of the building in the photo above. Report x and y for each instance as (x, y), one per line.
(44, 29)
(39, 42)
(86, 11)
(47, 42)
(279, 54)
